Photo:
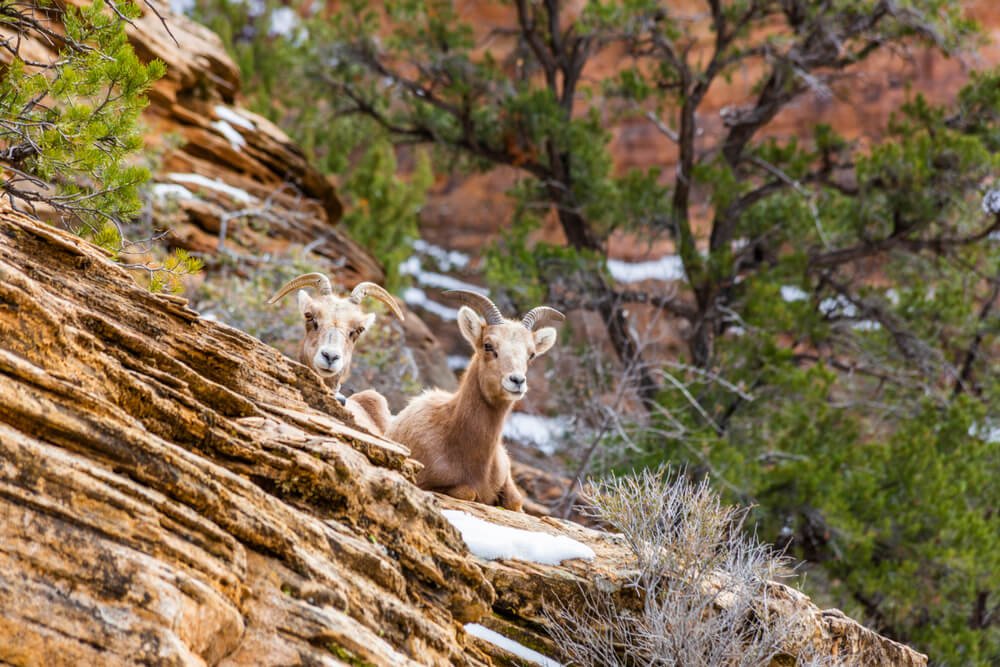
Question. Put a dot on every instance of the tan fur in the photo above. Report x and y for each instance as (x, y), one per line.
(336, 324)
(370, 410)
(458, 436)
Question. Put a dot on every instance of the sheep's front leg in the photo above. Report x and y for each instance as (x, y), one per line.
(460, 491)
(510, 497)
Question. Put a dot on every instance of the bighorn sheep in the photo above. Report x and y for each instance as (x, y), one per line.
(457, 436)
(333, 325)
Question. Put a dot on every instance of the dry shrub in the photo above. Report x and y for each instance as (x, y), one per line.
(703, 583)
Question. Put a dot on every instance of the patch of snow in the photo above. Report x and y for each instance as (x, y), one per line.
(737, 331)
(412, 267)
(182, 6)
(446, 259)
(988, 432)
(993, 236)
(255, 7)
(838, 305)
(739, 244)
(892, 294)
(414, 296)
(791, 293)
(457, 362)
(867, 325)
(161, 192)
(991, 202)
(233, 117)
(491, 541)
(234, 138)
(284, 21)
(543, 433)
(666, 268)
(509, 645)
(236, 194)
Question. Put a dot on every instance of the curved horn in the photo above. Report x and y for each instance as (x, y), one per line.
(539, 315)
(376, 292)
(317, 280)
(479, 303)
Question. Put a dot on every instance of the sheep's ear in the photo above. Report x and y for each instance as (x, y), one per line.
(470, 325)
(545, 338)
(369, 320)
(305, 301)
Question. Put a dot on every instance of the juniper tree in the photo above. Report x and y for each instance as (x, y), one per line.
(69, 122)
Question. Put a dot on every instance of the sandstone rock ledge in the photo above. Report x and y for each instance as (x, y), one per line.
(174, 492)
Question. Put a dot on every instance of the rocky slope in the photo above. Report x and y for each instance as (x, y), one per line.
(174, 492)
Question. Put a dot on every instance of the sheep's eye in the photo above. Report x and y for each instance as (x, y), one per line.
(531, 356)
(311, 322)
(488, 347)
(357, 332)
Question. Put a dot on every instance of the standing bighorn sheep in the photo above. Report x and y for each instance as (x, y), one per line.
(457, 436)
(333, 325)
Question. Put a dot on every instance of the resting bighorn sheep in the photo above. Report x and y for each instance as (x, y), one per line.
(333, 325)
(457, 436)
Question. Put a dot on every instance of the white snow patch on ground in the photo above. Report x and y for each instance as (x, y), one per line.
(182, 6)
(412, 267)
(509, 645)
(284, 21)
(666, 268)
(161, 192)
(892, 294)
(491, 541)
(446, 259)
(838, 305)
(790, 293)
(234, 138)
(236, 194)
(457, 362)
(414, 296)
(543, 433)
(988, 431)
(233, 117)
(867, 325)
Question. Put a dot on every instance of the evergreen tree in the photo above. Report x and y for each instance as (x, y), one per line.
(69, 125)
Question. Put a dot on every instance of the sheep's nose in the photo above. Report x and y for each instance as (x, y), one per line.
(516, 379)
(330, 357)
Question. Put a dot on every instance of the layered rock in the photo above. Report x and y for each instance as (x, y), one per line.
(172, 491)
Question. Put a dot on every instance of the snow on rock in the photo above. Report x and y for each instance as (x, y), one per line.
(989, 431)
(543, 433)
(233, 117)
(182, 6)
(666, 268)
(791, 293)
(492, 541)
(213, 184)
(234, 138)
(446, 259)
(412, 267)
(161, 192)
(416, 297)
(509, 645)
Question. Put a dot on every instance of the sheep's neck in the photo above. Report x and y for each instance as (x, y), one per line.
(477, 419)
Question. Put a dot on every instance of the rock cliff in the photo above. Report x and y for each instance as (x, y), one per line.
(174, 492)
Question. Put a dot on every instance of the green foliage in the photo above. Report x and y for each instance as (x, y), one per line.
(383, 208)
(74, 122)
(71, 132)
